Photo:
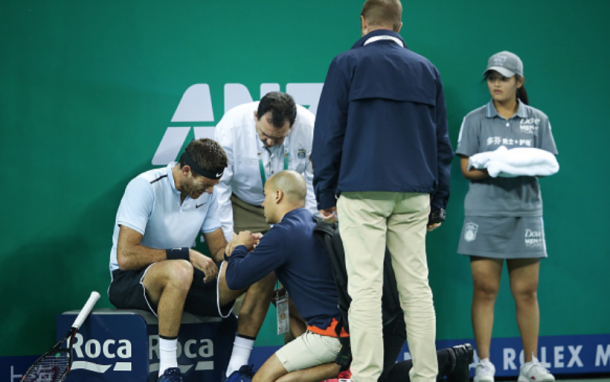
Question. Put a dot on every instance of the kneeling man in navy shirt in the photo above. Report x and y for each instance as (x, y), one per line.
(302, 265)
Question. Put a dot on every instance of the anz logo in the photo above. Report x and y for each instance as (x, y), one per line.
(196, 107)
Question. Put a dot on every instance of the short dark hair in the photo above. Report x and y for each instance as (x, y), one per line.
(383, 13)
(207, 153)
(281, 106)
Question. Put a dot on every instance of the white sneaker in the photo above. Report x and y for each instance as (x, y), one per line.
(484, 371)
(533, 371)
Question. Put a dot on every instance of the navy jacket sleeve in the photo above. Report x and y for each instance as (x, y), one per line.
(444, 151)
(245, 268)
(329, 133)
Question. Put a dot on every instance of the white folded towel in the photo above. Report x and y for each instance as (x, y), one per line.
(521, 161)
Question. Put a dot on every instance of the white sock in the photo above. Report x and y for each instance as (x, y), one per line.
(167, 354)
(242, 347)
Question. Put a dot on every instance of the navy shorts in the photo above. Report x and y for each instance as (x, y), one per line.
(127, 292)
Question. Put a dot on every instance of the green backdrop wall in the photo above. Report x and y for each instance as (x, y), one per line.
(89, 90)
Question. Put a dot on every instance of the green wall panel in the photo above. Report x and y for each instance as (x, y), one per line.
(88, 90)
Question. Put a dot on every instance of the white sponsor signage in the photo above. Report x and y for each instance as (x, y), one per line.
(196, 107)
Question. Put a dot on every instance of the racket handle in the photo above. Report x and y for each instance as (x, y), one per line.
(86, 310)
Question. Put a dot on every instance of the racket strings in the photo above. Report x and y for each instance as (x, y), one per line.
(50, 368)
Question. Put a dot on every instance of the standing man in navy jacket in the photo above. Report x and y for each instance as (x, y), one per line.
(382, 147)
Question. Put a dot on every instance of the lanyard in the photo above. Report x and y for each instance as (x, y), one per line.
(260, 159)
(384, 37)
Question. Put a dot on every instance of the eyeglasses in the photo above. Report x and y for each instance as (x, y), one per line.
(276, 138)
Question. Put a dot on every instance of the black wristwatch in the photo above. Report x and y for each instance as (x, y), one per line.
(437, 216)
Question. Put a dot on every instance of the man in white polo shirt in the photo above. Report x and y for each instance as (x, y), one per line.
(152, 265)
(261, 139)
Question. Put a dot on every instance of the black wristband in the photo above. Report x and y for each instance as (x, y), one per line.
(178, 254)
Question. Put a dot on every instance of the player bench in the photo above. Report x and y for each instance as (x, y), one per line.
(122, 345)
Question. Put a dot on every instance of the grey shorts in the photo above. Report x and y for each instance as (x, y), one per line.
(308, 350)
(503, 237)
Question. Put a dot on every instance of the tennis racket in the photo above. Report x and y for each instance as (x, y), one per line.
(54, 365)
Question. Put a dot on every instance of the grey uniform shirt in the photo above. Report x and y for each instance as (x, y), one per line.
(484, 130)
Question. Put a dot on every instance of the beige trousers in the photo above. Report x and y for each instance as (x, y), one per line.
(308, 350)
(247, 217)
(368, 221)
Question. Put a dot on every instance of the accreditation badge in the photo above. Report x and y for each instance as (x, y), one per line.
(283, 318)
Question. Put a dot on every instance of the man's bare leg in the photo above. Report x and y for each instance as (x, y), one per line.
(273, 370)
(251, 316)
(313, 374)
(167, 283)
(298, 326)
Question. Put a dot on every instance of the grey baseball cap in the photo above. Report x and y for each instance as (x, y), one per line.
(506, 63)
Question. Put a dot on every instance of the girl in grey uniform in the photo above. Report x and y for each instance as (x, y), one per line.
(504, 215)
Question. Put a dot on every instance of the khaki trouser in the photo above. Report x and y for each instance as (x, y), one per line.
(247, 217)
(368, 222)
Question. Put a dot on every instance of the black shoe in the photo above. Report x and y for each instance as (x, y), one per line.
(463, 359)
(244, 374)
(171, 375)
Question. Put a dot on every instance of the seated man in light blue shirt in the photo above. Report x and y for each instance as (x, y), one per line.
(153, 267)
